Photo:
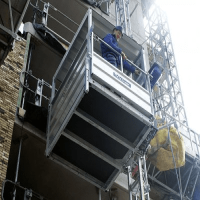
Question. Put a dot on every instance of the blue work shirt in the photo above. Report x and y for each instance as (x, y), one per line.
(105, 50)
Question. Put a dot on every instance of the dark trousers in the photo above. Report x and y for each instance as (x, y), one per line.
(111, 59)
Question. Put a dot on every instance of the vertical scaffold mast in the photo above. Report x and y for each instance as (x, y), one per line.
(167, 95)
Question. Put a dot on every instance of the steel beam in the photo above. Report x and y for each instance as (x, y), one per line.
(187, 180)
(51, 144)
(129, 183)
(76, 170)
(22, 16)
(12, 34)
(11, 7)
(3, 42)
(163, 185)
(111, 179)
(104, 129)
(195, 184)
(99, 194)
(17, 169)
(141, 179)
(145, 134)
(134, 184)
(86, 145)
(22, 76)
(11, 16)
(123, 104)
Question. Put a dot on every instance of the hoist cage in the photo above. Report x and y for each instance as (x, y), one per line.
(99, 117)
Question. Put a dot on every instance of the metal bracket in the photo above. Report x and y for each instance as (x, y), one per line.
(8, 31)
(38, 92)
(28, 194)
(45, 13)
(87, 68)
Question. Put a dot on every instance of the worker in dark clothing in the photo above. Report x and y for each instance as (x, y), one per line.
(113, 57)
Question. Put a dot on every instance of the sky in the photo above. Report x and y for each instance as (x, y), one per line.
(184, 24)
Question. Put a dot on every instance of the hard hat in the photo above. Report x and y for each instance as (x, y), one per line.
(119, 28)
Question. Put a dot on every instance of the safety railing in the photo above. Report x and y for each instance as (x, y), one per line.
(84, 49)
(191, 140)
(48, 12)
(97, 38)
(28, 193)
(38, 89)
(43, 11)
(144, 77)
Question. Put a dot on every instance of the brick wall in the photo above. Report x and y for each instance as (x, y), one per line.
(9, 89)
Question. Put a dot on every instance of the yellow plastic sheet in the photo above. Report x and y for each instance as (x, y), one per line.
(160, 153)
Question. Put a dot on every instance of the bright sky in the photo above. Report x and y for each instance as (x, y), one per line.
(184, 23)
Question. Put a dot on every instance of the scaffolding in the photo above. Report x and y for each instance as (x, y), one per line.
(84, 58)
(10, 21)
(168, 103)
(81, 68)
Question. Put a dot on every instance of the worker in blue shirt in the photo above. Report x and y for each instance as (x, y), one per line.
(113, 57)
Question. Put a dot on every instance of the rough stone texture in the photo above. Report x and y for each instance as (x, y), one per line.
(9, 89)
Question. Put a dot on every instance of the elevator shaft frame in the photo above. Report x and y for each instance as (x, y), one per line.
(168, 102)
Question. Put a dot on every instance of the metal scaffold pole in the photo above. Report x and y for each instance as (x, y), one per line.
(129, 183)
(17, 169)
(144, 186)
(140, 186)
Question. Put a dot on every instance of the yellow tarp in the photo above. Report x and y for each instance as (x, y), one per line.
(160, 153)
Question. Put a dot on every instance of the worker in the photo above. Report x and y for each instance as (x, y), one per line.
(113, 57)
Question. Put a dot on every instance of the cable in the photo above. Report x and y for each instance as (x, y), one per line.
(60, 23)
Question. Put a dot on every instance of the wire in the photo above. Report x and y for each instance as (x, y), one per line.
(30, 89)
(60, 23)
(40, 13)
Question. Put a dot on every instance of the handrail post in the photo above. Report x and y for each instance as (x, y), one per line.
(129, 182)
(17, 169)
(148, 82)
(88, 59)
(121, 63)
